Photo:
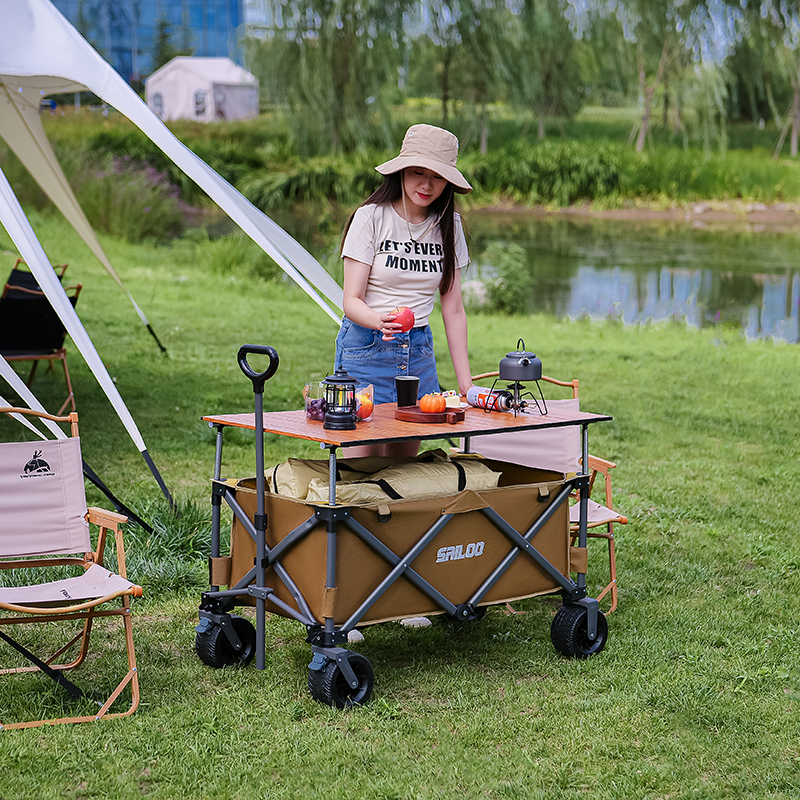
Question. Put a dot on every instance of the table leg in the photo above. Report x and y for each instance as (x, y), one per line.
(330, 565)
(583, 500)
(216, 501)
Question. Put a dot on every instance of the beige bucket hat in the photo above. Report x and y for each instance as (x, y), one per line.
(430, 147)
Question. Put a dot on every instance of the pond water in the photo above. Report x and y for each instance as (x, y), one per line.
(637, 272)
(643, 273)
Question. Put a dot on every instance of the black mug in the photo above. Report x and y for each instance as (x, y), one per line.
(407, 387)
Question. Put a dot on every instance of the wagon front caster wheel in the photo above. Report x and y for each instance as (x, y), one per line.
(214, 648)
(328, 685)
(569, 632)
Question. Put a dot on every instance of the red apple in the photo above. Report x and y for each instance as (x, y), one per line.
(405, 316)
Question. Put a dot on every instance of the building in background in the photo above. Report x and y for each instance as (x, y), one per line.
(202, 89)
(138, 36)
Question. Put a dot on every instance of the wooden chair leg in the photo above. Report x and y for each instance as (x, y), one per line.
(32, 373)
(611, 586)
(70, 396)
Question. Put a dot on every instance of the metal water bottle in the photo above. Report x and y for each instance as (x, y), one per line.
(483, 397)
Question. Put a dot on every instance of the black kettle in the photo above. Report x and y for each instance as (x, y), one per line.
(521, 365)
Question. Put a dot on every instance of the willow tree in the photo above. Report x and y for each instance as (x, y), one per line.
(773, 30)
(542, 60)
(329, 62)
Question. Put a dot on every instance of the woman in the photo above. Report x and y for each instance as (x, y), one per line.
(400, 246)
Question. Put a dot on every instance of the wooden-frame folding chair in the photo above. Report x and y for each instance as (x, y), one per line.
(45, 527)
(560, 450)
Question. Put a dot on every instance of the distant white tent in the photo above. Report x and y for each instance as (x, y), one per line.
(42, 54)
(202, 89)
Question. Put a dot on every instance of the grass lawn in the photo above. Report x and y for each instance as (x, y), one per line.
(697, 694)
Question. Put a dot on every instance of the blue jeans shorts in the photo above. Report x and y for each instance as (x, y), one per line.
(363, 354)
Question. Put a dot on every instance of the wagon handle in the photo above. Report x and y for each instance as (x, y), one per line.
(258, 378)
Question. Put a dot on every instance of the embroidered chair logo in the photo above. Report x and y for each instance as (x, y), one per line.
(36, 466)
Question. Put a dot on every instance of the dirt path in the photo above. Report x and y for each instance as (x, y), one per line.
(702, 214)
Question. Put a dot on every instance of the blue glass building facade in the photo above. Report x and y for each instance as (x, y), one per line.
(123, 31)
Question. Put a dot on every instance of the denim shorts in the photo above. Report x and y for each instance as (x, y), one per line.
(363, 354)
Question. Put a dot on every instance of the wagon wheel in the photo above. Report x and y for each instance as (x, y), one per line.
(214, 648)
(569, 632)
(329, 686)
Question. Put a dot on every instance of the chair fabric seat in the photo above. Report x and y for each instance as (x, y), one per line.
(95, 583)
(598, 515)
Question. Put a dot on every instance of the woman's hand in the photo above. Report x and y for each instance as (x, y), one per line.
(356, 275)
(389, 327)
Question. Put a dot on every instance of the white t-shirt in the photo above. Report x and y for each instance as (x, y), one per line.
(405, 271)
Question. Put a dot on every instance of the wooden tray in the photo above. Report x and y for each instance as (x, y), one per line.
(415, 414)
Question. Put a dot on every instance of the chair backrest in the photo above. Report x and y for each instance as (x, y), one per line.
(21, 280)
(557, 449)
(42, 499)
(28, 323)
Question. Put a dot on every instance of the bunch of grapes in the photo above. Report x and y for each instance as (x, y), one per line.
(316, 408)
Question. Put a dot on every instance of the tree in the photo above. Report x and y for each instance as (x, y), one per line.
(163, 48)
(772, 29)
(329, 62)
(542, 60)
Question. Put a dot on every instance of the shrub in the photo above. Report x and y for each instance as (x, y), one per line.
(508, 290)
(130, 201)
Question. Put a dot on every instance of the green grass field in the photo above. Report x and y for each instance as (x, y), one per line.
(697, 694)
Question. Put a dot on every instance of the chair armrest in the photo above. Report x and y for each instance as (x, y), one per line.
(600, 464)
(109, 521)
(99, 516)
(603, 467)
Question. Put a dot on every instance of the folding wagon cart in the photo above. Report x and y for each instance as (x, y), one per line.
(335, 567)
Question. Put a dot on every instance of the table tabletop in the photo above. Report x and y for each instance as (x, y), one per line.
(383, 427)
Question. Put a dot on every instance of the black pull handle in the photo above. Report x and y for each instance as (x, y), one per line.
(258, 378)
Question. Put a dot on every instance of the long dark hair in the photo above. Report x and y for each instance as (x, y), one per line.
(444, 207)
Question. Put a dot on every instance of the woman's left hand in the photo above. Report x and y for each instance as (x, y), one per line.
(389, 327)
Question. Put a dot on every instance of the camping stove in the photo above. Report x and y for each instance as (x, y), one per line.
(519, 365)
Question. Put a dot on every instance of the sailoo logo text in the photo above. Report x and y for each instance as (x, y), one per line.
(459, 551)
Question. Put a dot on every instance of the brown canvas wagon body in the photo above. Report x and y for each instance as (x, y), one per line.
(457, 561)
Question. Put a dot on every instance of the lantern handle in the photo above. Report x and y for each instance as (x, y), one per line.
(258, 378)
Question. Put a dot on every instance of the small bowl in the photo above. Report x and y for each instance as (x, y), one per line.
(314, 400)
(365, 402)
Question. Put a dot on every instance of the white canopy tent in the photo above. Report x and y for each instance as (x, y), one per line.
(42, 54)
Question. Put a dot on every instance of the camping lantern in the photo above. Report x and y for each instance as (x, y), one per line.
(340, 400)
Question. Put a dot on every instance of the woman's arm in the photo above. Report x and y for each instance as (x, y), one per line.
(356, 275)
(455, 326)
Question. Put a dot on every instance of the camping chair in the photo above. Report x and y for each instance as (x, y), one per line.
(559, 449)
(44, 529)
(24, 279)
(30, 330)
